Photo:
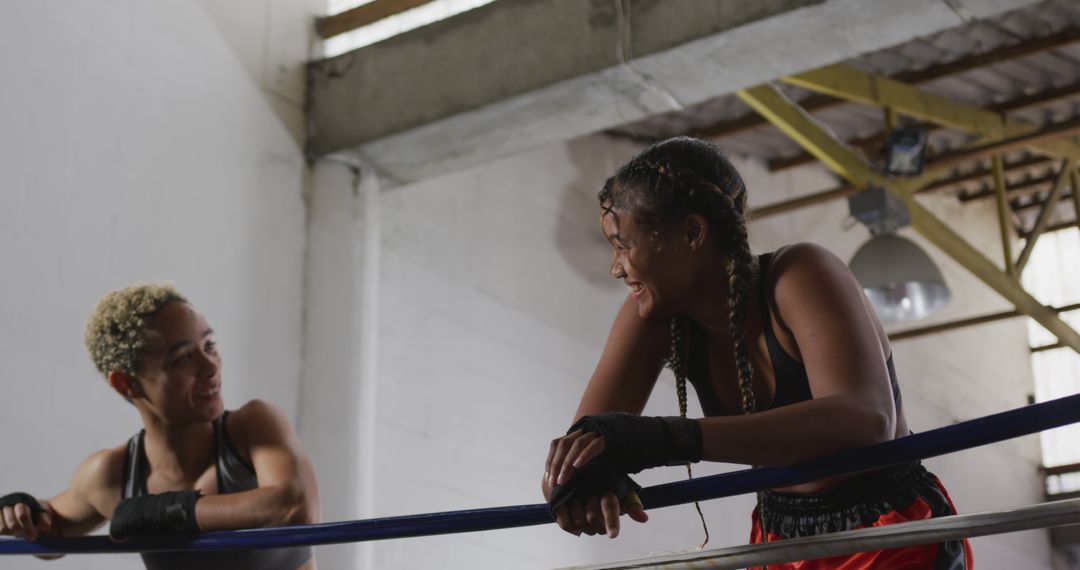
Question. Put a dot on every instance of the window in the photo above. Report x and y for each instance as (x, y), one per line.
(1053, 276)
(393, 25)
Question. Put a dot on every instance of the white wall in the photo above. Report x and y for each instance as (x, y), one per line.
(493, 304)
(143, 141)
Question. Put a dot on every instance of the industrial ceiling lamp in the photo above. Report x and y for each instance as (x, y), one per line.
(900, 279)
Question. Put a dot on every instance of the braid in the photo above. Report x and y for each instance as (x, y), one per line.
(740, 269)
(677, 361)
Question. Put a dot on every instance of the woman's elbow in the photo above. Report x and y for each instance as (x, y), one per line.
(296, 506)
(877, 426)
(302, 513)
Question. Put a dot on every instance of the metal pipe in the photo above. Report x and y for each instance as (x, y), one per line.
(898, 535)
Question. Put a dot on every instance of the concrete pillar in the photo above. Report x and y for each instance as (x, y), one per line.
(337, 410)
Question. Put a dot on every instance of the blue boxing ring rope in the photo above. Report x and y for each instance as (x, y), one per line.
(957, 437)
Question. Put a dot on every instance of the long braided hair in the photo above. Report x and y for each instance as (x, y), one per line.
(660, 187)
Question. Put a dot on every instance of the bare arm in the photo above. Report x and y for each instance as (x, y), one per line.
(632, 359)
(624, 377)
(288, 491)
(75, 511)
(837, 337)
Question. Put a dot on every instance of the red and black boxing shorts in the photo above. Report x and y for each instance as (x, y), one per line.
(906, 492)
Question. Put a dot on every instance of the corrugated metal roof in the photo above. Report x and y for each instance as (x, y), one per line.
(1053, 27)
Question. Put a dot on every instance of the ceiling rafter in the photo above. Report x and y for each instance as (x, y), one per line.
(857, 86)
(877, 140)
(1013, 190)
(1043, 219)
(803, 129)
(1000, 55)
(934, 169)
(984, 174)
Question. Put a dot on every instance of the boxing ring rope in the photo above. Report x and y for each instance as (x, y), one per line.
(957, 437)
(896, 535)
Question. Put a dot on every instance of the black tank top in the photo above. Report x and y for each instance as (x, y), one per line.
(792, 382)
(233, 476)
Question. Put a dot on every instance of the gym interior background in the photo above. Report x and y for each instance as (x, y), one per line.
(387, 211)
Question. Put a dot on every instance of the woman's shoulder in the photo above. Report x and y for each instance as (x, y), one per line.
(253, 420)
(803, 271)
(805, 260)
(802, 254)
(100, 474)
(257, 410)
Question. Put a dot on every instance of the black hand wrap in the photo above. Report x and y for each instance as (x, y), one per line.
(25, 499)
(633, 442)
(167, 513)
(594, 479)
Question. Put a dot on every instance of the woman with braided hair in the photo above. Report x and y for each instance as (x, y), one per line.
(785, 353)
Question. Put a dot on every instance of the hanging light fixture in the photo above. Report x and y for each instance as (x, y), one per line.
(905, 152)
(900, 279)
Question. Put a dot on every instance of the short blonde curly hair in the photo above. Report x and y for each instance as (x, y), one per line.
(115, 332)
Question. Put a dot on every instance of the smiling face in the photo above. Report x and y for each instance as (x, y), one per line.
(658, 266)
(179, 375)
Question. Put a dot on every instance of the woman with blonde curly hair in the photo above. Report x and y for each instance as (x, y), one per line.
(194, 466)
(785, 353)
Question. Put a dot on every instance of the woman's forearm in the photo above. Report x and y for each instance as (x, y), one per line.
(794, 433)
(262, 507)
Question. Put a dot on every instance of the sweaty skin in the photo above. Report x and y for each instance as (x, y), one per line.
(819, 314)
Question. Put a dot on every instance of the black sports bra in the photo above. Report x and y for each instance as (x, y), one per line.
(792, 382)
(233, 476)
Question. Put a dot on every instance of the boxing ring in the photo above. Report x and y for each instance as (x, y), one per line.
(957, 437)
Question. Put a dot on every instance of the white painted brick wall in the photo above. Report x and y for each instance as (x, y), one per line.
(137, 142)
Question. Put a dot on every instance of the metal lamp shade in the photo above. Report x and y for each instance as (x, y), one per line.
(901, 281)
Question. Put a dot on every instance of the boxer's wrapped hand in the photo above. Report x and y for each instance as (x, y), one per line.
(629, 442)
(165, 513)
(22, 516)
